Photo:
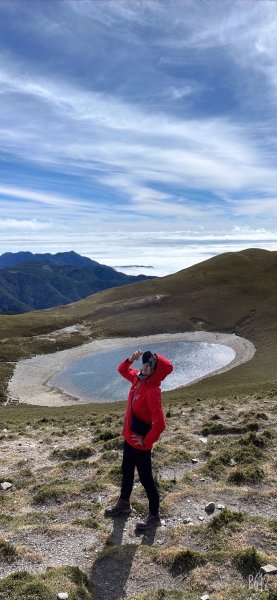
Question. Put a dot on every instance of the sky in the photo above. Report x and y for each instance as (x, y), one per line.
(140, 133)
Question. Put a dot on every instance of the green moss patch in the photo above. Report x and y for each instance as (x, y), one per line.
(77, 453)
(226, 518)
(47, 585)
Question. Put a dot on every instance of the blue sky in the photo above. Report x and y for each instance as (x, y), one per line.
(138, 132)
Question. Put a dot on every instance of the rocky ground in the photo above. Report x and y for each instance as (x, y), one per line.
(62, 470)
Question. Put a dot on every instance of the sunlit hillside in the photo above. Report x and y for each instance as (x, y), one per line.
(233, 292)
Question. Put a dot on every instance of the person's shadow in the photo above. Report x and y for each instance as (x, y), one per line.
(110, 571)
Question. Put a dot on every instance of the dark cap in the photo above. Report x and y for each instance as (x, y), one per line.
(149, 359)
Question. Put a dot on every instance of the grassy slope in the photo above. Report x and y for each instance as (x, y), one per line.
(232, 293)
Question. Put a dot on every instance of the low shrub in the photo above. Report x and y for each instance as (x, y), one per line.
(185, 561)
(114, 444)
(52, 492)
(8, 551)
(226, 518)
(248, 561)
(220, 429)
(214, 428)
(107, 434)
(90, 522)
(214, 467)
(44, 587)
(77, 453)
(251, 474)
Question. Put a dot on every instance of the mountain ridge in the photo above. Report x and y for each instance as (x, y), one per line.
(30, 282)
(10, 259)
(231, 293)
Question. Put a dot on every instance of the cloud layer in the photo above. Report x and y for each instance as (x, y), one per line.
(127, 116)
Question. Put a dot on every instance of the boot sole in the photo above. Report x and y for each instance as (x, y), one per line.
(141, 528)
(126, 511)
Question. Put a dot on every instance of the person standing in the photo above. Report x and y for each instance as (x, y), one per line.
(143, 424)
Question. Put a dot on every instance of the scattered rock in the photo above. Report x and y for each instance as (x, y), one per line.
(62, 596)
(269, 569)
(200, 518)
(187, 520)
(205, 597)
(204, 440)
(220, 506)
(195, 460)
(6, 485)
(210, 508)
(232, 462)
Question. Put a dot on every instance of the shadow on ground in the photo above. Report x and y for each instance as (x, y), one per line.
(111, 570)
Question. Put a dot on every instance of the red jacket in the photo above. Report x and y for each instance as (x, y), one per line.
(144, 401)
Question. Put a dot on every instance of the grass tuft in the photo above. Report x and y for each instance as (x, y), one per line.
(251, 474)
(45, 586)
(215, 428)
(8, 551)
(185, 561)
(226, 518)
(248, 561)
(77, 453)
(51, 492)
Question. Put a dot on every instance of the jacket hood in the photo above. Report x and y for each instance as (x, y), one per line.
(164, 367)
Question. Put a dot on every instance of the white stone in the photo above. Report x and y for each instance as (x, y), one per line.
(195, 460)
(62, 596)
(220, 506)
(205, 597)
(6, 485)
(269, 569)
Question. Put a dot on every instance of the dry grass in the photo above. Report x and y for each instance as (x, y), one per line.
(57, 498)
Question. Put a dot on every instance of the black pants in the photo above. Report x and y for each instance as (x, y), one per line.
(142, 460)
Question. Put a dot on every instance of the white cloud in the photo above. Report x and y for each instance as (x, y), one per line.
(37, 196)
(23, 225)
(257, 207)
(116, 163)
(92, 134)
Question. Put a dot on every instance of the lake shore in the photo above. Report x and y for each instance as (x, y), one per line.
(29, 383)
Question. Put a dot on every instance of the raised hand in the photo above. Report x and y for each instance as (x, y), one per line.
(135, 356)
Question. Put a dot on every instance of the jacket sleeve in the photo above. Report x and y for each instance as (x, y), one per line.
(125, 369)
(158, 420)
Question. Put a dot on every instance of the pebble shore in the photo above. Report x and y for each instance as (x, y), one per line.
(29, 382)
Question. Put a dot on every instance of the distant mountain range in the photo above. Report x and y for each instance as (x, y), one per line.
(36, 281)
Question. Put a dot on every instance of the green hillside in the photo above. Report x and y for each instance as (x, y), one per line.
(64, 463)
(39, 284)
(233, 292)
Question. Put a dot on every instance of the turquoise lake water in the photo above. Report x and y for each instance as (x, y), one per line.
(95, 378)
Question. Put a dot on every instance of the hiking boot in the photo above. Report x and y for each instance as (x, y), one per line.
(150, 521)
(121, 507)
